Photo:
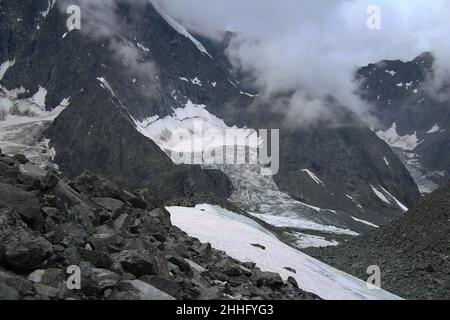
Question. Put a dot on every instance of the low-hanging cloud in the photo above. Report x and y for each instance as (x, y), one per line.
(101, 20)
(312, 48)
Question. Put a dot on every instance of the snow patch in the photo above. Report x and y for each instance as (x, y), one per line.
(237, 235)
(365, 222)
(434, 129)
(142, 47)
(391, 72)
(384, 197)
(5, 66)
(248, 94)
(197, 81)
(380, 195)
(401, 205)
(309, 241)
(392, 138)
(39, 97)
(302, 224)
(313, 176)
(105, 85)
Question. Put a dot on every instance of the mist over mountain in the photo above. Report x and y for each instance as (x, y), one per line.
(362, 118)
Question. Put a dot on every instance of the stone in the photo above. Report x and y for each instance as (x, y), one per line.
(32, 171)
(48, 291)
(50, 181)
(103, 278)
(141, 262)
(163, 215)
(23, 250)
(21, 158)
(293, 282)
(195, 267)
(167, 285)
(67, 194)
(109, 204)
(234, 271)
(291, 270)
(17, 282)
(139, 290)
(8, 293)
(205, 250)
(23, 202)
(268, 279)
(97, 258)
(122, 222)
(259, 246)
(180, 263)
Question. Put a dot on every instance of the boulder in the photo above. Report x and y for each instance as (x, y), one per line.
(109, 204)
(49, 181)
(21, 158)
(163, 215)
(15, 281)
(22, 249)
(268, 279)
(163, 283)
(23, 202)
(8, 293)
(142, 262)
(139, 290)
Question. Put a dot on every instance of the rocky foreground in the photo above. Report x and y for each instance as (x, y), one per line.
(413, 253)
(125, 247)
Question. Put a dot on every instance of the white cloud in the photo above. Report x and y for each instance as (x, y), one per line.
(315, 46)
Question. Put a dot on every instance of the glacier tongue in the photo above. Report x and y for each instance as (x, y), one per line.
(22, 122)
(259, 195)
(254, 192)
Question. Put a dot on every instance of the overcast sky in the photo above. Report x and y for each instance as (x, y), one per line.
(316, 45)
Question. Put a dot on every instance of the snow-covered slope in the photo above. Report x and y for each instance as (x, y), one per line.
(237, 238)
(179, 28)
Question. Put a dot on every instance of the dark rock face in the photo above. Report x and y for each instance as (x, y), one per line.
(123, 251)
(97, 132)
(400, 92)
(132, 160)
(412, 253)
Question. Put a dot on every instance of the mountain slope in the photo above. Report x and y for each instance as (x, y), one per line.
(126, 248)
(144, 69)
(414, 117)
(413, 253)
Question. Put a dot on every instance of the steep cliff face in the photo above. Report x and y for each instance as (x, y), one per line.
(143, 69)
(414, 115)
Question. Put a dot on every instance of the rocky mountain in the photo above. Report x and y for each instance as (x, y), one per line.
(412, 253)
(126, 248)
(414, 116)
(119, 85)
(88, 113)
